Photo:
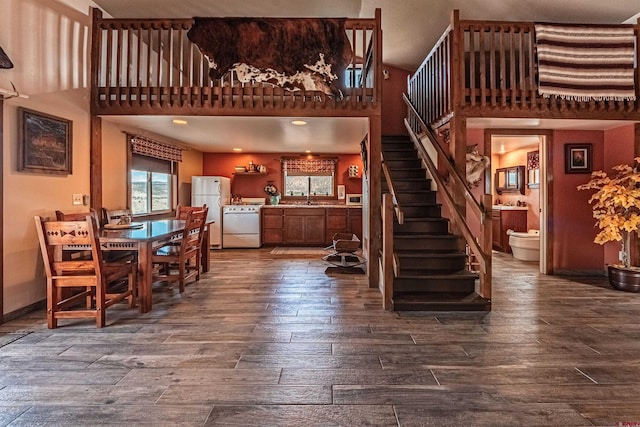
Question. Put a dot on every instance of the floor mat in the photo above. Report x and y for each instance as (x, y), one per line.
(298, 251)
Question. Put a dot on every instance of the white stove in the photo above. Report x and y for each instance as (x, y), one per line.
(241, 224)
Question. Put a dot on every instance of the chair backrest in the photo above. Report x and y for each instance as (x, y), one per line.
(117, 216)
(58, 236)
(193, 230)
(182, 211)
(77, 216)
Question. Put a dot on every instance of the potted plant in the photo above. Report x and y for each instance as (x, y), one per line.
(616, 208)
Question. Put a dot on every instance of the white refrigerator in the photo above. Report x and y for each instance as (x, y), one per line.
(215, 192)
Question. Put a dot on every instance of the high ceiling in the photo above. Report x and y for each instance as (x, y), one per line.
(410, 29)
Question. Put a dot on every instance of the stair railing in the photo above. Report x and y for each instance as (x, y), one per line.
(396, 204)
(457, 184)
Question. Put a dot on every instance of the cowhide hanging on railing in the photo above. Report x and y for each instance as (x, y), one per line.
(5, 62)
(293, 53)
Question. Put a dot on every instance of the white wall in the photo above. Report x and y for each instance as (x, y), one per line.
(48, 42)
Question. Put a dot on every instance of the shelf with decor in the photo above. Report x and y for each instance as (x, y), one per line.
(249, 173)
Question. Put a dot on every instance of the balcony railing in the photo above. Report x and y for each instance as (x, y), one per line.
(489, 69)
(144, 66)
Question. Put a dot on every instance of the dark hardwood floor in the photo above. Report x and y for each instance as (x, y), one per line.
(271, 340)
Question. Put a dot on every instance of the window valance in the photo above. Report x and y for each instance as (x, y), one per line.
(309, 166)
(158, 150)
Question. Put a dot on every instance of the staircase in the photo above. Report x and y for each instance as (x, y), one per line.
(430, 263)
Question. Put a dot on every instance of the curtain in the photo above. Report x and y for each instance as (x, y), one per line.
(158, 150)
(309, 166)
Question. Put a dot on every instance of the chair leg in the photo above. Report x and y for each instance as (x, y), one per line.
(131, 286)
(52, 303)
(182, 273)
(100, 302)
(89, 297)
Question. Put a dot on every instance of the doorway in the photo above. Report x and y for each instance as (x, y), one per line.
(531, 150)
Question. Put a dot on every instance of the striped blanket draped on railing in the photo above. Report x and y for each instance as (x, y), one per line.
(586, 62)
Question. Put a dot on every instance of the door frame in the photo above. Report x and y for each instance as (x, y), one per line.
(546, 186)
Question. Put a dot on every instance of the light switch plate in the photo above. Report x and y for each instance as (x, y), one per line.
(77, 199)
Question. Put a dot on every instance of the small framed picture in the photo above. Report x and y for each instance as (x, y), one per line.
(44, 143)
(578, 158)
(341, 192)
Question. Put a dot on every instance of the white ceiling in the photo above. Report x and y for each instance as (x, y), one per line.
(410, 29)
(254, 134)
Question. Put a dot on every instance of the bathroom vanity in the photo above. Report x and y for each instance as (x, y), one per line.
(507, 218)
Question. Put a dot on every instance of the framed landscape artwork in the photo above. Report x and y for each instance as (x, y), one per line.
(44, 143)
(577, 158)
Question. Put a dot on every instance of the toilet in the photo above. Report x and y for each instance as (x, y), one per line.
(525, 246)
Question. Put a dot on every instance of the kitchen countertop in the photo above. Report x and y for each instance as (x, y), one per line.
(293, 205)
(510, 208)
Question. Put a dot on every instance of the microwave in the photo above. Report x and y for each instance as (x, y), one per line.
(354, 199)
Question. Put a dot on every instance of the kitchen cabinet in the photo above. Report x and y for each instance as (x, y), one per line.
(337, 222)
(345, 220)
(310, 226)
(510, 180)
(272, 224)
(355, 221)
(304, 226)
(503, 220)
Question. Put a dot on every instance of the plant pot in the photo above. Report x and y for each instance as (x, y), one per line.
(624, 279)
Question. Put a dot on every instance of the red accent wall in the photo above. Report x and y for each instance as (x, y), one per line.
(222, 164)
(620, 149)
(572, 221)
(394, 110)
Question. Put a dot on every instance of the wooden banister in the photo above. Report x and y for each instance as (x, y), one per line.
(394, 200)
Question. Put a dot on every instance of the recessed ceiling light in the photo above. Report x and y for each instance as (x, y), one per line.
(298, 122)
(307, 151)
(237, 149)
(179, 121)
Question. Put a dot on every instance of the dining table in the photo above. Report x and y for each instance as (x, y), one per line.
(144, 237)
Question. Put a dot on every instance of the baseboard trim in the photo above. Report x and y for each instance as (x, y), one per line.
(599, 273)
(39, 305)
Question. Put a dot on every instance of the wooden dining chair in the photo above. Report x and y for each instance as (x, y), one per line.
(81, 288)
(108, 255)
(182, 211)
(116, 216)
(181, 263)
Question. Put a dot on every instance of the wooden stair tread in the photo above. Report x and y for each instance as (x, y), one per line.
(408, 253)
(417, 236)
(441, 302)
(461, 274)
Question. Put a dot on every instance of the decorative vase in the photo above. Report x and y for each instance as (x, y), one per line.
(274, 200)
(624, 279)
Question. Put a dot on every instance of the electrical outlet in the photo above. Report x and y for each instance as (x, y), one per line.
(77, 199)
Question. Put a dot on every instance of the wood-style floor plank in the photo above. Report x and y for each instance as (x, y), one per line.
(263, 340)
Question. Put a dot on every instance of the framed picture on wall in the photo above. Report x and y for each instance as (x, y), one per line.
(577, 158)
(44, 143)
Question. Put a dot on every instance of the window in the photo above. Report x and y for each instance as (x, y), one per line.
(151, 185)
(153, 173)
(308, 177)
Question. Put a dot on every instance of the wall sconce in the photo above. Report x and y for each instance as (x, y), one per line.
(385, 74)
